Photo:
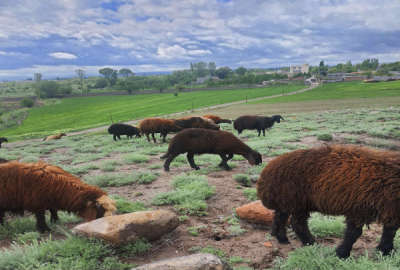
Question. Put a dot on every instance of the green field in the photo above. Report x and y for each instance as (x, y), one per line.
(85, 112)
(343, 90)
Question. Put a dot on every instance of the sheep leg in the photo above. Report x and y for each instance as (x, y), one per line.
(259, 132)
(386, 243)
(154, 138)
(190, 158)
(164, 135)
(41, 221)
(148, 137)
(115, 137)
(119, 137)
(224, 162)
(300, 227)
(54, 216)
(1, 217)
(263, 132)
(350, 237)
(169, 159)
(279, 227)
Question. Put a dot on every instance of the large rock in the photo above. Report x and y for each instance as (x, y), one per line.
(201, 261)
(129, 227)
(255, 212)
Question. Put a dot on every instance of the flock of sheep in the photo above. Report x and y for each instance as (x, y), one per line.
(360, 183)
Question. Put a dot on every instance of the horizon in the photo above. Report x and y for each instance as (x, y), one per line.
(161, 37)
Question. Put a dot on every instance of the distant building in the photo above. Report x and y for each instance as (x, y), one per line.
(305, 68)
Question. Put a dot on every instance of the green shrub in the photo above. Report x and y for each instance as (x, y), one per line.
(27, 102)
(251, 194)
(242, 179)
(125, 206)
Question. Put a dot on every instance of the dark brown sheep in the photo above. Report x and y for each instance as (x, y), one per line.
(158, 125)
(217, 119)
(360, 183)
(119, 129)
(255, 122)
(205, 141)
(54, 137)
(37, 187)
(196, 122)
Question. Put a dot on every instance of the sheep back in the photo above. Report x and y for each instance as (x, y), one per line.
(361, 183)
(217, 119)
(158, 125)
(197, 122)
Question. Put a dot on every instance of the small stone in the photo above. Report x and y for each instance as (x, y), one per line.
(255, 212)
(268, 244)
(200, 261)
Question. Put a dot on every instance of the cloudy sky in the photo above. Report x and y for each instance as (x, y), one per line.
(55, 37)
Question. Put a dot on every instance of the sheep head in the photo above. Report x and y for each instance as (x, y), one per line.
(277, 118)
(254, 158)
(102, 207)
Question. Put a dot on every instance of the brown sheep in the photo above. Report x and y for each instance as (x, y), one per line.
(205, 141)
(158, 125)
(360, 183)
(196, 122)
(54, 137)
(217, 119)
(37, 187)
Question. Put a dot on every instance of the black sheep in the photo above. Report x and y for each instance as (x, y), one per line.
(256, 122)
(3, 139)
(118, 129)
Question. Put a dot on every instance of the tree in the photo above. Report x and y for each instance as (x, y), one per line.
(81, 76)
(100, 83)
(241, 71)
(110, 75)
(47, 89)
(37, 77)
(212, 68)
(125, 72)
(223, 72)
(348, 67)
(323, 70)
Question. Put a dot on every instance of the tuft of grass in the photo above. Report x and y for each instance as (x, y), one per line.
(189, 195)
(125, 206)
(140, 246)
(71, 253)
(143, 177)
(109, 166)
(135, 158)
(325, 137)
(322, 226)
(27, 237)
(209, 249)
(251, 194)
(242, 179)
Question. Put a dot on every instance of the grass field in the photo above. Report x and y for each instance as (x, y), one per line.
(345, 90)
(131, 172)
(85, 112)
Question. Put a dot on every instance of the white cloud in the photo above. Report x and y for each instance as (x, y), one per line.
(170, 52)
(63, 55)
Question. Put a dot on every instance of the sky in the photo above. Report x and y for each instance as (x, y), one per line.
(56, 37)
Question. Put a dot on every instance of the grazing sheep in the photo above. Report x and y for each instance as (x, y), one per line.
(54, 137)
(37, 187)
(217, 119)
(205, 141)
(360, 183)
(158, 125)
(196, 122)
(255, 122)
(119, 129)
(3, 139)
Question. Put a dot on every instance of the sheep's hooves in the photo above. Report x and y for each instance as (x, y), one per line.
(342, 253)
(166, 169)
(197, 168)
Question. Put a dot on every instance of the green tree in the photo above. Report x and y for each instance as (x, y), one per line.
(212, 67)
(125, 72)
(47, 89)
(348, 67)
(110, 75)
(37, 77)
(224, 72)
(100, 83)
(81, 76)
(241, 71)
(323, 70)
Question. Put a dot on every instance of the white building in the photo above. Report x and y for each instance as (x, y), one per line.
(299, 69)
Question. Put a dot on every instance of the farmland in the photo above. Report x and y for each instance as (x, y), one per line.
(85, 112)
(131, 171)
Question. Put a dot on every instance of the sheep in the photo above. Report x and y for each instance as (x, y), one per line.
(3, 139)
(205, 141)
(217, 119)
(37, 187)
(360, 183)
(119, 129)
(158, 125)
(196, 122)
(255, 122)
(54, 137)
